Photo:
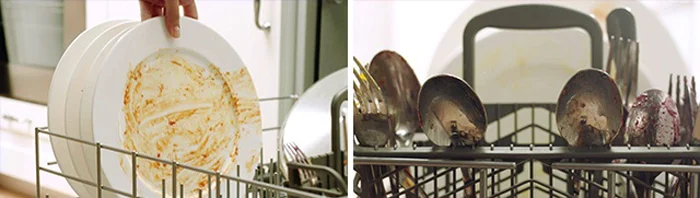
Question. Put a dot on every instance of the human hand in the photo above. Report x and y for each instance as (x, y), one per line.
(171, 10)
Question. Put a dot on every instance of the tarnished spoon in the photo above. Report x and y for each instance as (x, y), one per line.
(452, 114)
(400, 88)
(589, 109)
(589, 113)
(653, 120)
(450, 111)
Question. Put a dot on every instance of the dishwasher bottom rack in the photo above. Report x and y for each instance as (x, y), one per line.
(527, 171)
(267, 182)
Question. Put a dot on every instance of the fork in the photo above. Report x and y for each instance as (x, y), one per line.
(305, 176)
(372, 120)
(686, 102)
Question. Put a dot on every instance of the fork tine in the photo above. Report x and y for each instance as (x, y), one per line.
(306, 160)
(678, 90)
(303, 159)
(375, 92)
(288, 150)
(670, 85)
(365, 91)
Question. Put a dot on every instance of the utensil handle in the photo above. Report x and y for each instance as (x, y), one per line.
(531, 17)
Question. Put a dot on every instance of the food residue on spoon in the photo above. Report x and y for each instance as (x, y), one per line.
(582, 117)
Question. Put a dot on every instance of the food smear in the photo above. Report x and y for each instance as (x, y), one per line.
(193, 114)
(583, 116)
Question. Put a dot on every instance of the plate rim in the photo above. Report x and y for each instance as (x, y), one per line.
(79, 156)
(56, 105)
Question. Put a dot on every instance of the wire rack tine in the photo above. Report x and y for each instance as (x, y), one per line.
(135, 157)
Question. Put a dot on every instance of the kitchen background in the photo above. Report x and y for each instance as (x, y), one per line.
(425, 33)
(305, 42)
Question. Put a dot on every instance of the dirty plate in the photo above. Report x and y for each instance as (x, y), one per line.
(189, 100)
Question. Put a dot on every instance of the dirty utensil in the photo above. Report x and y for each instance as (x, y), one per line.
(589, 109)
(450, 111)
(653, 121)
(371, 119)
(589, 113)
(452, 114)
(372, 126)
(400, 87)
(686, 102)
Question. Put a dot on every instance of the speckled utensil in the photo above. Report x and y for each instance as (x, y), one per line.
(400, 88)
(654, 121)
(589, 109)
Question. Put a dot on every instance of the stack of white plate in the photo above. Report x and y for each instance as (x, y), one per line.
(129, 85)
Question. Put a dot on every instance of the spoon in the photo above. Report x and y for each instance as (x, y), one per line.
(589, 113)
(589, 109)
(450, 111)
(654, 121)
(400, 88)
(451, 114)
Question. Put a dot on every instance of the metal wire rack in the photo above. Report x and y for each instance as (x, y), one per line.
(268, 180)
(522, 154)
(514, 166)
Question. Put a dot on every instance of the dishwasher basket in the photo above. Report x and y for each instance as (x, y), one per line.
(268, 180)
(523, 154)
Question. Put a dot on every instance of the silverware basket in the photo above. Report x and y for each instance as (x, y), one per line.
(523, 154)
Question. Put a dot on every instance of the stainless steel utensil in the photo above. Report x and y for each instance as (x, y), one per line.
(589, 113)
(306, 177)
(654, 120)
(400, 88)
(452, 115)
(450, 111)
(687, 107)
(372, 126)
(589, 109)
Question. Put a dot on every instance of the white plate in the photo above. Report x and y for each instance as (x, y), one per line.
(308, 124)
(57, 99)
(198, 45)
(658, 54)
(79, 152)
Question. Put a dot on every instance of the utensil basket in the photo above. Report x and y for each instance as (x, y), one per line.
(268, 180)
(523, 154)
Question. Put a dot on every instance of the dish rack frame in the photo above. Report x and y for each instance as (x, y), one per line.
(497, 166)
(509, 165)
(268, 180)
